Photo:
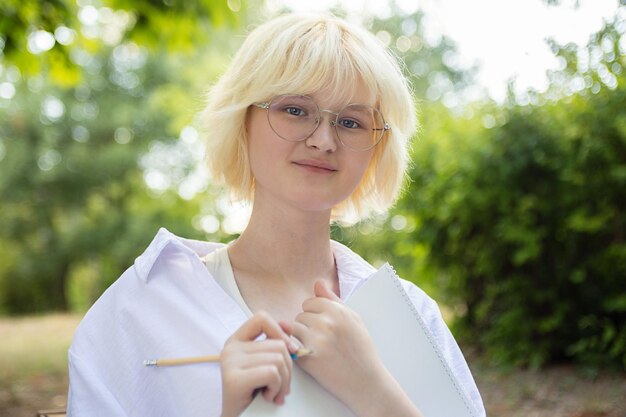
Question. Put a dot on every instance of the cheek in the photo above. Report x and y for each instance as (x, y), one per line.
(259, 155)
(266, 151)
(259, 136)
(257, 128)
(360, 163)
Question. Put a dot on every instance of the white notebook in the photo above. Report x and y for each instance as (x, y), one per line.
(406, 347)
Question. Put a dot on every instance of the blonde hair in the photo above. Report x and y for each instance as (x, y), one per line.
(305, 54)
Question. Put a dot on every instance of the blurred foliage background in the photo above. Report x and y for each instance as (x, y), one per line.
(514, 217)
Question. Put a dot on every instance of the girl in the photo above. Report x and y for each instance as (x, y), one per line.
(310, 124)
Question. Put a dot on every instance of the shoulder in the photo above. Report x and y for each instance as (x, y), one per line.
(425, 304)
(167, 272)
(168, 260)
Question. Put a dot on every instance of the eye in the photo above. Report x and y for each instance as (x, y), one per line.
(349, 123)
(294, 111)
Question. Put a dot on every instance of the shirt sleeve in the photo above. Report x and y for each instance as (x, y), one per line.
(430, 313)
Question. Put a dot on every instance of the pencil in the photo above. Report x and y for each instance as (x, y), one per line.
(207, 359)
(181, 361)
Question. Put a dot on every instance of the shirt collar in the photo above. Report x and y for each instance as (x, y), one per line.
(163, 239)
(351, 268)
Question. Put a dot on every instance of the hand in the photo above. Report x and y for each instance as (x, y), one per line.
(344, 359)
(248, 365)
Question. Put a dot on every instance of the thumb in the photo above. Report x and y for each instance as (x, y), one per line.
(322, 289)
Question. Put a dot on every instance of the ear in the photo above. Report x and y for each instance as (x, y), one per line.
(322, 289)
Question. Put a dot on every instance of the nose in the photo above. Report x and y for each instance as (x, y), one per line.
(324, 138)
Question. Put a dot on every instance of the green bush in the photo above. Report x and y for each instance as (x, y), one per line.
(526, 226)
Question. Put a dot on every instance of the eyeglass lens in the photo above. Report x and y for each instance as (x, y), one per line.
(295, 118)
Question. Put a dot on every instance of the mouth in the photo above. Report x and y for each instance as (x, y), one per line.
(316, 166)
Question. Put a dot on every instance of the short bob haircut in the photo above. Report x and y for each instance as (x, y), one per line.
(304, 54)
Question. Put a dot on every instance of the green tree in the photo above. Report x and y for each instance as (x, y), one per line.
(39, 36)
(77, 122)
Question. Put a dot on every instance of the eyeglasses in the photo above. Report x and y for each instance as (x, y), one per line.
(294, 118)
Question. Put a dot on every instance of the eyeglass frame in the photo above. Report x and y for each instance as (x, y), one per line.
(265, 105)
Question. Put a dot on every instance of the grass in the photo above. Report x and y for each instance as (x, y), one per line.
(33, 376)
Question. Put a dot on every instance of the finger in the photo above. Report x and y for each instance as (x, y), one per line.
(280, 399)
(255, 350)
(322, 289)
(278, 385)
(286, 326)
(318, 305)
(261, 355)
(266, 345)
(281, 362)
(265, 377)
(294, 344)
(307, 318)
(260, 323)
(302, 332)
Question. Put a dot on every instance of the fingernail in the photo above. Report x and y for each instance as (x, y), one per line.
(293, 347)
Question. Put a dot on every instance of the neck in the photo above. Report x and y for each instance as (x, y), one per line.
(287, 247)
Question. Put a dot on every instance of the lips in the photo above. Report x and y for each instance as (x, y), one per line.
(316, 165)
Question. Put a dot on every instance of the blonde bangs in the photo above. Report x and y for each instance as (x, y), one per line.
(305, 59)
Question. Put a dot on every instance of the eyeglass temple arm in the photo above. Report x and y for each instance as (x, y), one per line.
(384, 128)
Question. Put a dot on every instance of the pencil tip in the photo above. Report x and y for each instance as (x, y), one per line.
(301, 352)
(304, 352)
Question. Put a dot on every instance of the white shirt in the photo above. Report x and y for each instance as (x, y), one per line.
(168, 305)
